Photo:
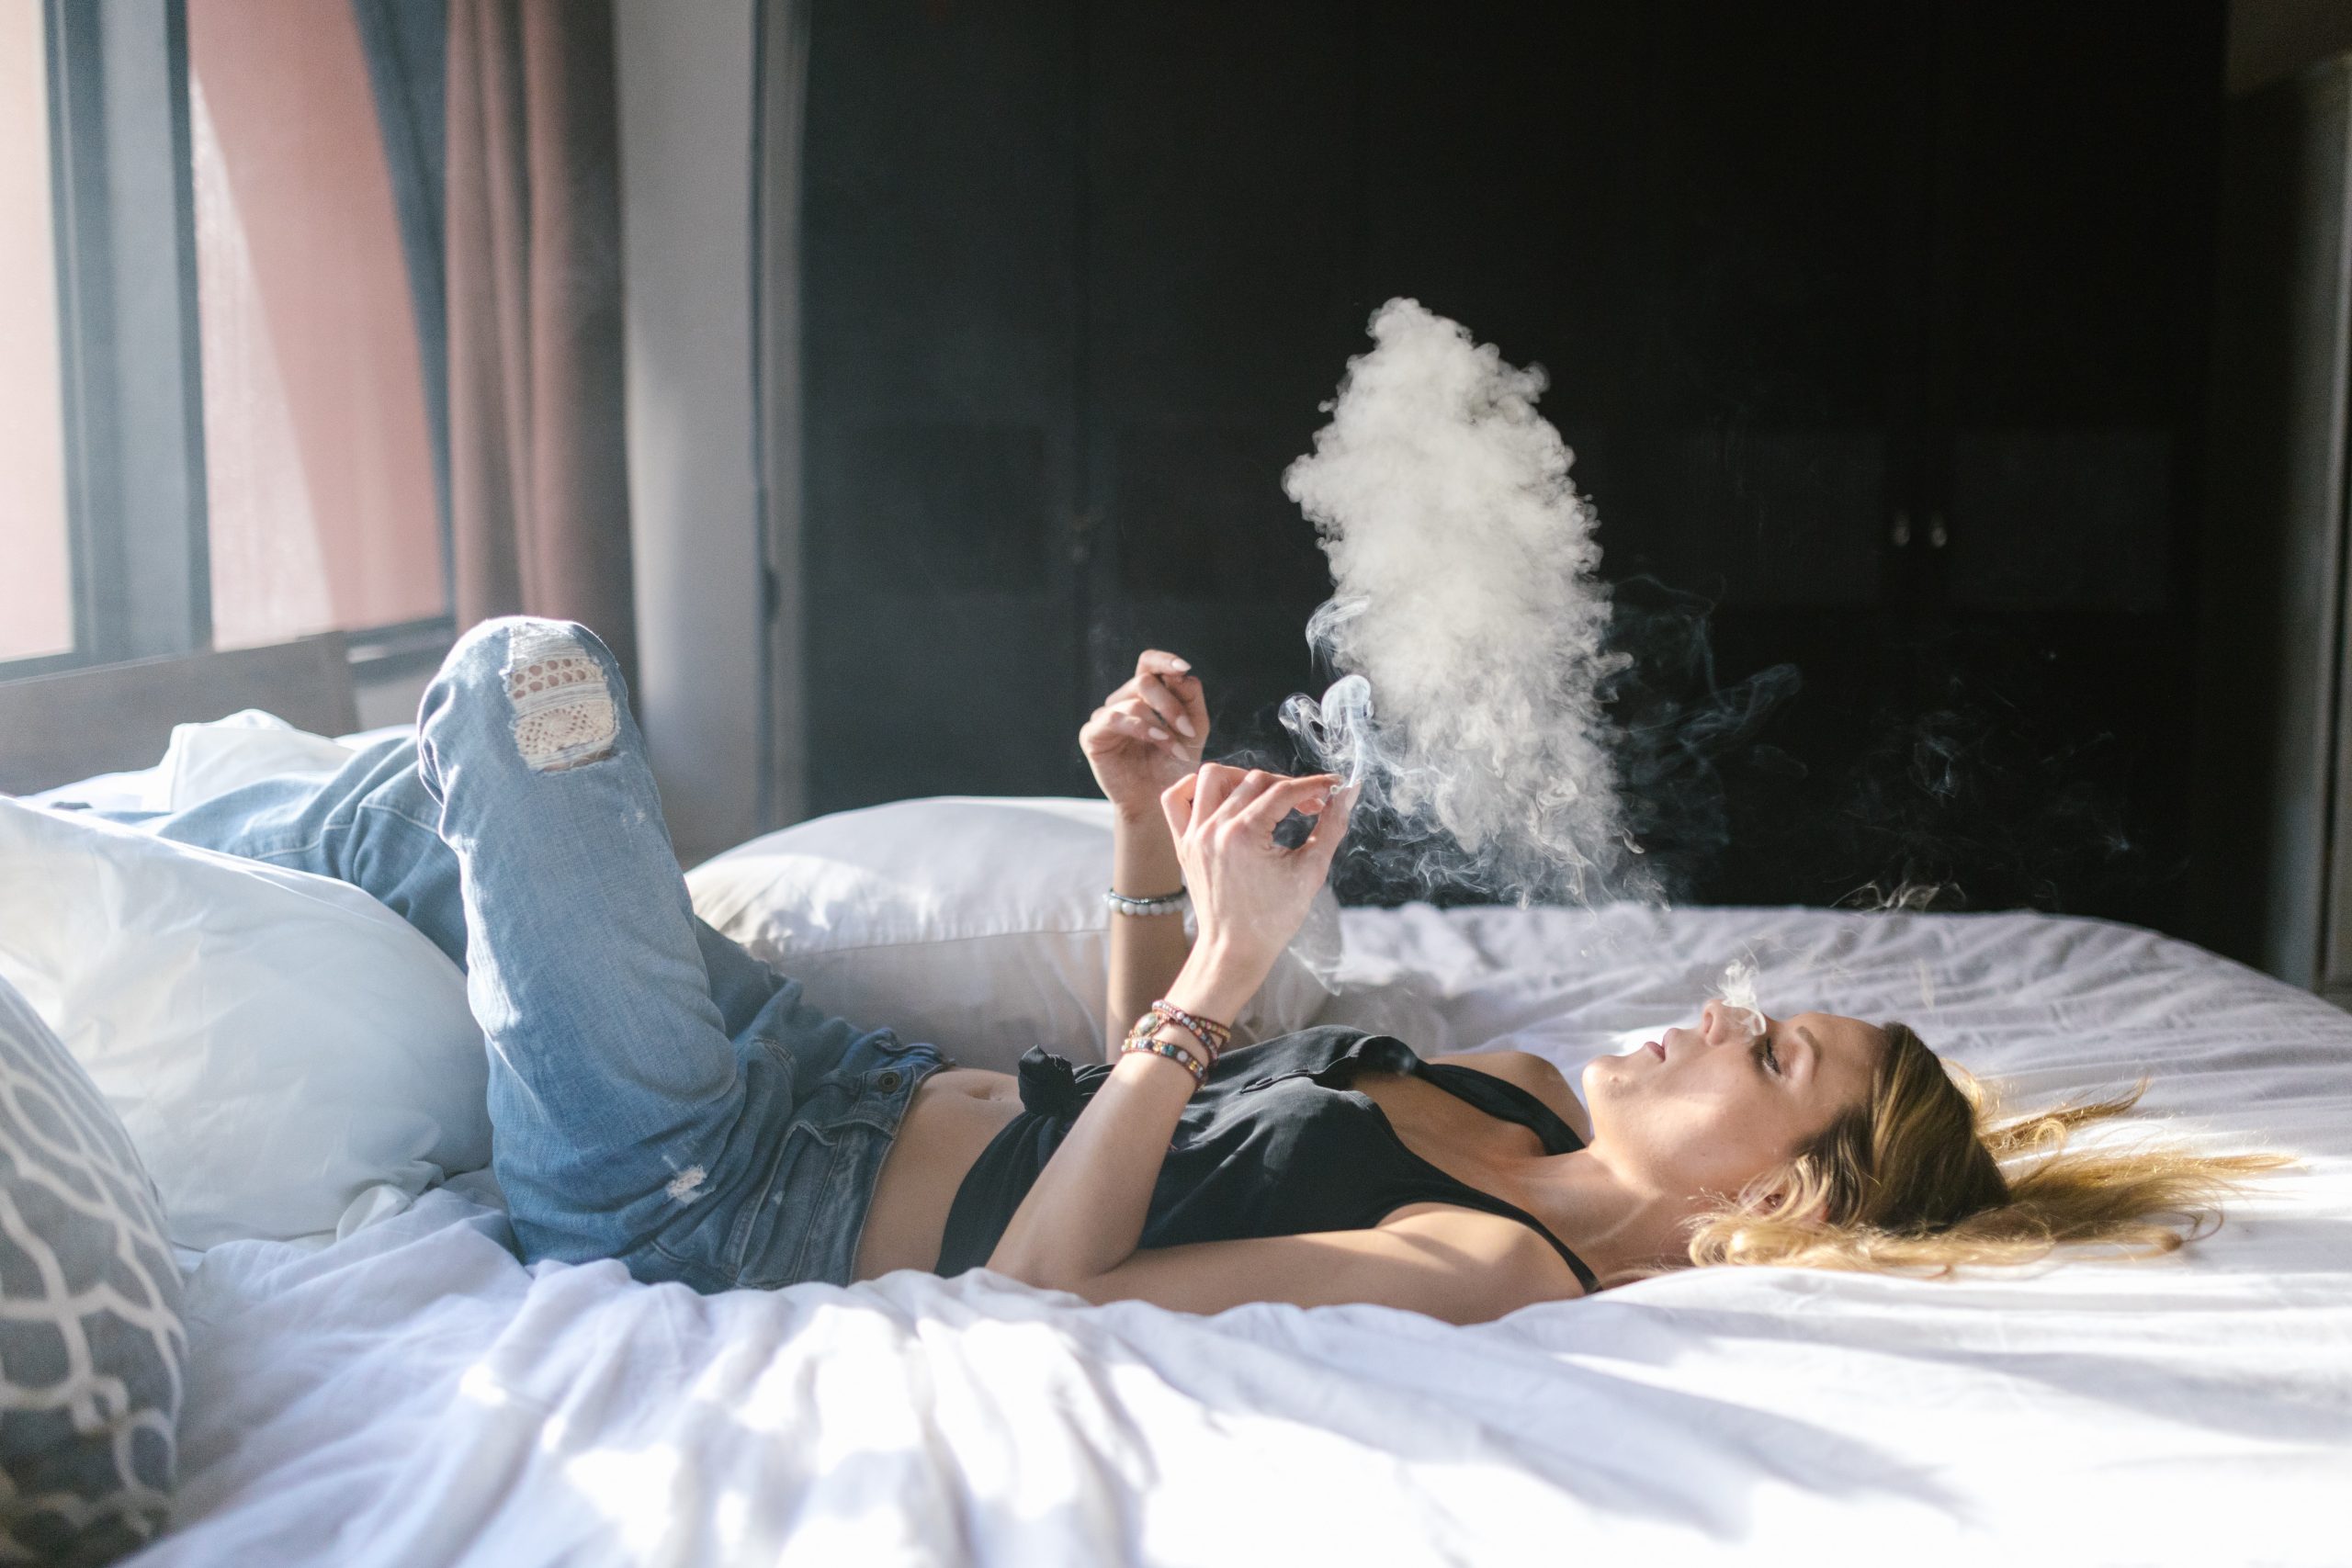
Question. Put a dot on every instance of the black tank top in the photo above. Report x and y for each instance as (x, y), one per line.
(1275, 1143)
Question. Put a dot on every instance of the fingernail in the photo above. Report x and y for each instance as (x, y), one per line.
(1180, 664)
(1158, 733)
(1185, 725)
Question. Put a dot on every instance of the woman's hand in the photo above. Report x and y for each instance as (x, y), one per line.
(1146, 735)
(1250, 894)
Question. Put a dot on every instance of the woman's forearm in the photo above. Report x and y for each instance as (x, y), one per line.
(1146, 950)
(1085, 1215)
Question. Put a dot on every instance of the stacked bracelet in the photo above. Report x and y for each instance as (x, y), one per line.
(1140, 1037)
(1164, 904)
(1169, 1049)
(1211, 1036)
(1214, 1036)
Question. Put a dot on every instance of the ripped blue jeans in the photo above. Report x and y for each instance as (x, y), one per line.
(657, 1094)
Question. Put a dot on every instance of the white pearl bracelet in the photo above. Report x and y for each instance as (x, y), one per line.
(1166, 904)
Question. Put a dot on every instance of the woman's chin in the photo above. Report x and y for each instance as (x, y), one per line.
(1603, 1073)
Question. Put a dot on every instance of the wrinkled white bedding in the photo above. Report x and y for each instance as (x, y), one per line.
(412, 1395)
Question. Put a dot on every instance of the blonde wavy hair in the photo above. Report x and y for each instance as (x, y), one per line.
(1927, 1176)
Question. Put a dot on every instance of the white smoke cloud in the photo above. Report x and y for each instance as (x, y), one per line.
(1467, 622)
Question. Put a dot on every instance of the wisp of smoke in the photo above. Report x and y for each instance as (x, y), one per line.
(1737, 989)
(1467, 623)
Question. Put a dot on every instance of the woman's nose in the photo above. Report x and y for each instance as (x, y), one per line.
(1719, 1021)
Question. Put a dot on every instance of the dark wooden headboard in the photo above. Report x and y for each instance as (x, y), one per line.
(57, 728)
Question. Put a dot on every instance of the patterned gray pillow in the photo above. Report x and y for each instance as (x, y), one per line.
(91, 1342)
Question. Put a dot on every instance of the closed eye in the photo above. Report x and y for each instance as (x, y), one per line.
(1765, 1055)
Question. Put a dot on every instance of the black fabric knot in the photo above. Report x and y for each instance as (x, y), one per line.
(1049, 1085)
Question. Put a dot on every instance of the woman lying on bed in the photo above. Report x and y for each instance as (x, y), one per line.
(661, 1097)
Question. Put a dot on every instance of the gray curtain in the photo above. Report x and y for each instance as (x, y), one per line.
(539, 448)
(406, 45)
(499, 126)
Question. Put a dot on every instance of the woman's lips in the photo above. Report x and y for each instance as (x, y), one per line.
(1655, 1049)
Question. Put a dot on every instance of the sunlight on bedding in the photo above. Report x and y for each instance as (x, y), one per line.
(639, 1493)
(569, 1414)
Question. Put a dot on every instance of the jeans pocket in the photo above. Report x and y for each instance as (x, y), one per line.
(768, 1246)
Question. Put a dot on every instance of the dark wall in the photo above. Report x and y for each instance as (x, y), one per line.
(1878, 328)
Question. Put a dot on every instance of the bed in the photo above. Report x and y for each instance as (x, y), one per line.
(412, 1395)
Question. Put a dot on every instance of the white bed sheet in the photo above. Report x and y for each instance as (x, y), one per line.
(412, 1395)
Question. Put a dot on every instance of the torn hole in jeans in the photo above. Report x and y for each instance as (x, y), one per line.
(563, 707)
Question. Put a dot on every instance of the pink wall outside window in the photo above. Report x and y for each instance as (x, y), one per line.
(36, 584)
(319, 466)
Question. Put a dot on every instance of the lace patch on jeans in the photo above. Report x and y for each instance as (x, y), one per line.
(563, 708)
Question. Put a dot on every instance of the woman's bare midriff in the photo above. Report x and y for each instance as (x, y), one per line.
(954, 1114)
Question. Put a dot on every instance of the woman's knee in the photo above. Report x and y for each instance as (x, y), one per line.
(555, 683)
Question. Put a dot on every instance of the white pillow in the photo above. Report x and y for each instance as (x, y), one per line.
(212, 758)
(975, 923)
(206, 760)
(277, 1044)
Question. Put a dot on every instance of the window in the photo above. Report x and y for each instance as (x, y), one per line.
(213, 420)
(36, 586)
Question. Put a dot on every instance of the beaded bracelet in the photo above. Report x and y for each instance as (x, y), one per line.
(1211, 1035)
(1144, 1028)
(1207, 1031)
(1169, 1049)
(1160, 904)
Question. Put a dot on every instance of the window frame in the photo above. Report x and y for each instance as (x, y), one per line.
(130, 357)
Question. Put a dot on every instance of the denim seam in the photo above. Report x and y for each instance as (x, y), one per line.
(398, 815)
(877, 1116)
(799, 1267)
(338, 823)
(779, 1053)
(702, 1276)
